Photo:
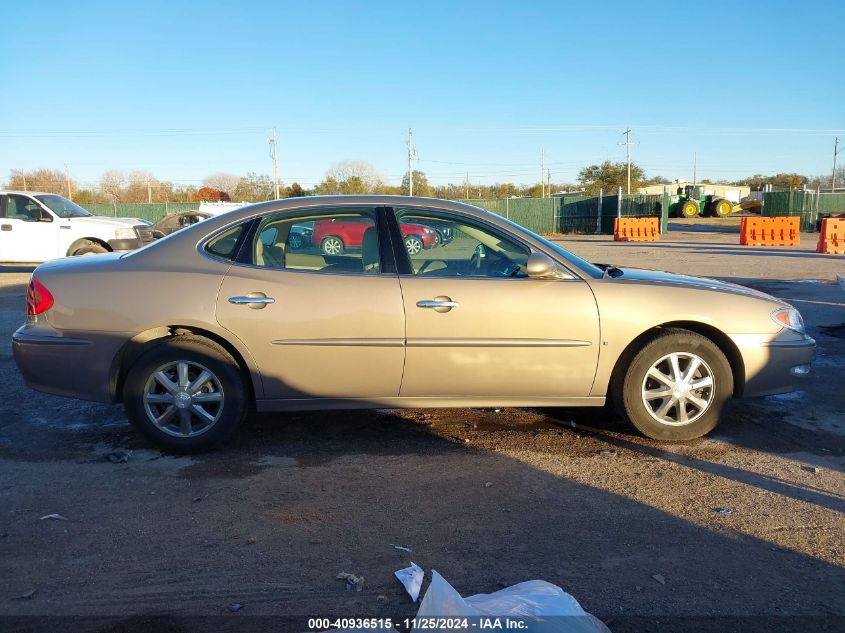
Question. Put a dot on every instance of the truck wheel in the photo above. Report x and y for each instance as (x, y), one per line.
(721, 208)
(186, 394)
(675, 387)
(91, 248)
(689, 209)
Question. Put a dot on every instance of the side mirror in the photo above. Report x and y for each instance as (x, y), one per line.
(541, 266)
(46, 217)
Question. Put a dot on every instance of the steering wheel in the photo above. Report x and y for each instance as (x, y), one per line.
(474, 264)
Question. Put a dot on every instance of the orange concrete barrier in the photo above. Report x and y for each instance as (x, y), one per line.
(832, 237)
(636, 229)
(785, 231)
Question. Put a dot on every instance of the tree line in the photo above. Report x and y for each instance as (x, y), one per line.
(356, 177)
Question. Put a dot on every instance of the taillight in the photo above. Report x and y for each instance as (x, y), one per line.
(38, 298)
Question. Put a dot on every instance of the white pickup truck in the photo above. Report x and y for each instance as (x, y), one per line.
(35, 227)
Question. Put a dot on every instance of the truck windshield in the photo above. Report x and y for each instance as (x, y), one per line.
(63, 207)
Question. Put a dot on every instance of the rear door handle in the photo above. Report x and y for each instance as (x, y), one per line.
(5, 227)
(255, 300)
(438, 304)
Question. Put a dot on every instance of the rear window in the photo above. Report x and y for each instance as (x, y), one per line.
(225, 244)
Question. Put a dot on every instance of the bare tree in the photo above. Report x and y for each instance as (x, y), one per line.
(360, 169)
(222, 181)
(47, 180)
(112, 184)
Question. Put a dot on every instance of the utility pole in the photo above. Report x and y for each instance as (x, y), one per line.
(549, 181)
(411, 154)
(542, 173)
(67, 179)
(628, 144)
(466, 185)
(836, 151)
(274, 154)
(694, 169)
(149, 190)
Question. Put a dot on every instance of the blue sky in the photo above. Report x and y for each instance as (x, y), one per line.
(186, 89)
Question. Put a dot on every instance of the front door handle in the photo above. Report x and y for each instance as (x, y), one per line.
(438, 304)
(255, 300)
(5, 227)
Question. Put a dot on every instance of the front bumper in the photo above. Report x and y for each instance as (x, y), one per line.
(126, 245)
(78, 366)
(775, 366)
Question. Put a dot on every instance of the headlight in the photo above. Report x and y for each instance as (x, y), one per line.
(789, 318)
(124, 234)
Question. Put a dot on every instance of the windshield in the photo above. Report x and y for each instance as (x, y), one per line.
(63, 207)
(583, 265)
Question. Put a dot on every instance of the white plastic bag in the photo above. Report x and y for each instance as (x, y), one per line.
(544, 607)
(411, 578)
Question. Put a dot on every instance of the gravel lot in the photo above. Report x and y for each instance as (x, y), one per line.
(628, 526)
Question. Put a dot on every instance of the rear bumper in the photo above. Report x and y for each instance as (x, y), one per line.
(71, 366)
(775, 366)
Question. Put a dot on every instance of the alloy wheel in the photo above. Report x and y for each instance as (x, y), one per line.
(332, 246)
(183, 398)
(413, 245)
(678, 389)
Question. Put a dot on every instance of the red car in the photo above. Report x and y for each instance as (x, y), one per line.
(335, 236)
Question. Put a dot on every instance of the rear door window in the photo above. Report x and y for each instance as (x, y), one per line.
(327, 241)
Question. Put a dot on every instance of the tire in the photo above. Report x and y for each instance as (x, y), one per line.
(413, 244)
(689, 209)
(332, 245)
(92, 248)
(722, 208)
(225, 404)
(295, 241)
(663, 416)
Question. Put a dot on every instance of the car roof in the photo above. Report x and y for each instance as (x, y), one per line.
(303, 202)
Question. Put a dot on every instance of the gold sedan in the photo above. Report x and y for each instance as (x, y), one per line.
(392, 302)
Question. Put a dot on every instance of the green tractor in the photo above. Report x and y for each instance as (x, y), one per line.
(690, 202)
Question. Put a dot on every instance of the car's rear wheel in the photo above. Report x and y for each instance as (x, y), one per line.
(413, 244)
(332, 245)
(186, 394)
(675, 387)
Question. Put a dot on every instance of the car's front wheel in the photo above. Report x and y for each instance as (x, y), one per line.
(675, 387)
(295, 241)
(186, 394)
(90, 248)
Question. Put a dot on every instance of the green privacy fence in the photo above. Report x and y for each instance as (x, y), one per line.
(588, 215)
(154, 211)
(810, 206)
(536, 214)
